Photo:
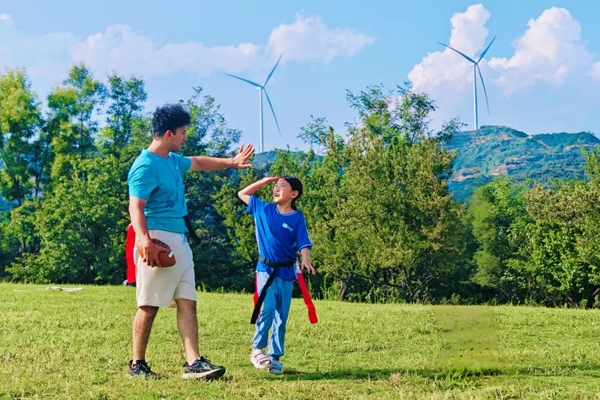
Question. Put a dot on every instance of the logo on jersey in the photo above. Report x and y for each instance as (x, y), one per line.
(286, 226)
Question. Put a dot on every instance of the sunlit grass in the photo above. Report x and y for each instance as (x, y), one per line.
(76, 345)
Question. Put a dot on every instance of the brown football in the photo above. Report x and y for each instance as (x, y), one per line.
(166, 257)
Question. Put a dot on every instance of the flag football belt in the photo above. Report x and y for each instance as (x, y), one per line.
(259, 299)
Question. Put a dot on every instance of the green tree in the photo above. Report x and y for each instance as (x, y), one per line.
(82, 225)
(71, 128)
(20, 121)
(566, 219)
(396, 225)
(501, 225)
(125, 114)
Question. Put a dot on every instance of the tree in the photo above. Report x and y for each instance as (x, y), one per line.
(125, 113)
(566, 219)
(82, 225)
(501, 225)
(71, 128)
(20, 121)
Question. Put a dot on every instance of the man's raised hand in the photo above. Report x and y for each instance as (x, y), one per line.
(240, 160)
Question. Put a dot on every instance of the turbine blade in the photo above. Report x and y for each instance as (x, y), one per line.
(484, 91)
(273, 70)
(462, 54)
(245, 80)
(486, 49)
(272, 110)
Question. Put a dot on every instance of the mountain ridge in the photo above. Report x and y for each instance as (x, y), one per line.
(499, 150)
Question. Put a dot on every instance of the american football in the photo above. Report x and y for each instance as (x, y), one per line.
(166, 257)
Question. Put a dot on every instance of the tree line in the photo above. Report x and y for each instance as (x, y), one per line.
(384, 225)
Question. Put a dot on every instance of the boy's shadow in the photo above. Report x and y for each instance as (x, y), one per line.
(341, 374)
(457, 373)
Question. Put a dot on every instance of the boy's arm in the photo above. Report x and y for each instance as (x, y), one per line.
(305, 252)
(239, 161)
(138, 220)
(249, 190)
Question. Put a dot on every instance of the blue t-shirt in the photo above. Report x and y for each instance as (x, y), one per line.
(279, 236)
(159, 181)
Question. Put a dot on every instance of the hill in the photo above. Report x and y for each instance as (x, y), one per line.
(264, 160)
(498, 150)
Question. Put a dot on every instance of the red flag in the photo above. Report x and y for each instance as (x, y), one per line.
(129, 244)
(255, 296)
(312, 313)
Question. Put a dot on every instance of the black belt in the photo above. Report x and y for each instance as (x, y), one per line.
(274, 265)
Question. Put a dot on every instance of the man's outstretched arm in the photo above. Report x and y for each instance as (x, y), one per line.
(239, 161)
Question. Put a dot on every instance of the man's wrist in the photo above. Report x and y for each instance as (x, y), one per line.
(145, 238)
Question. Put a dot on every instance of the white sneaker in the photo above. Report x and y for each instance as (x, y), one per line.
(276, 367)
(259, 359)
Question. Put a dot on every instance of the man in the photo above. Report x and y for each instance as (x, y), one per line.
(157, 206)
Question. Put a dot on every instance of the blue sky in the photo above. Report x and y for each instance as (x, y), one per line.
(542, 73)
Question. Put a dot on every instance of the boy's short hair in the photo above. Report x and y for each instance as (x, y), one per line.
(169, 117)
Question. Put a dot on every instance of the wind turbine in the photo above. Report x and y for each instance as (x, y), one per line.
(475, 71)
(261, 89)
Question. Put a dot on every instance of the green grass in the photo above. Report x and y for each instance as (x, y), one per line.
(77, 345)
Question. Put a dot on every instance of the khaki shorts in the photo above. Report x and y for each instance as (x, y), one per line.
(157, 287)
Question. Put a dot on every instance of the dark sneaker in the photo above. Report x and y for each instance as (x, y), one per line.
(202, 369)
(141, 369)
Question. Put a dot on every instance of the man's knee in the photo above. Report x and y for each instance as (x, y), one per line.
(148, 311)
(185, 304)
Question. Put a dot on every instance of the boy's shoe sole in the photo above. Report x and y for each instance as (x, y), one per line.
(276, 371)
(208, 375)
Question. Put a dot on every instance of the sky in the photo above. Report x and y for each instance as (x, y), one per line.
(542, 72)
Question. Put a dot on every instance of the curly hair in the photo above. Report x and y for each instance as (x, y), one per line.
(168, 118)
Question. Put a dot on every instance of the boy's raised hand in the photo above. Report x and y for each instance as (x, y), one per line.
(268, 179)
(249, 190)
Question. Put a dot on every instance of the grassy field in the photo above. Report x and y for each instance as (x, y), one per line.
(76, 345)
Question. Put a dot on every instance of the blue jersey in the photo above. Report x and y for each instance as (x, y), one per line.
(159, 181)
(279, 236)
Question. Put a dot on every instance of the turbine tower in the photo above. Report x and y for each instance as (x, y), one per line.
(476, 70)
(262, 88)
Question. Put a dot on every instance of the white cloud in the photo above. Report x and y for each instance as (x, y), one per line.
(549, 50)
(7, 20)
(45, 56)
(444, 69)
(310, 40)
(594, 72)
(121, 49)
(127, 51)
